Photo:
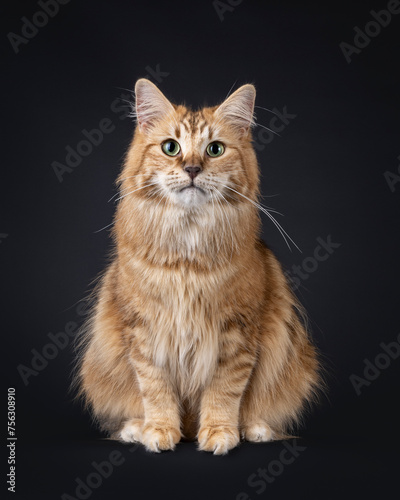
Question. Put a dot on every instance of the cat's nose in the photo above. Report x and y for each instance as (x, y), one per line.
(192, 171)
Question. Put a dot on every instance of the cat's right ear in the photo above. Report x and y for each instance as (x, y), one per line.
(150, 103)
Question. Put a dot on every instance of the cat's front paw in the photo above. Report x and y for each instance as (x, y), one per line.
(218, 439)
(157, 437)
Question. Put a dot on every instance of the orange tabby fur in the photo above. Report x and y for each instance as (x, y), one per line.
(195, 332)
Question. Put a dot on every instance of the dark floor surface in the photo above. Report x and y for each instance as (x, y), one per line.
(320, 468)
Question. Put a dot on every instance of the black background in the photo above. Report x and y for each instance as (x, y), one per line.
(326, 170)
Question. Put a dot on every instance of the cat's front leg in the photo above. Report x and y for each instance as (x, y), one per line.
(161, 426)
(220, 403)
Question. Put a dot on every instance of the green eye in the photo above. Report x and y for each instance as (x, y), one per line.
(171, 147)
(215, 149)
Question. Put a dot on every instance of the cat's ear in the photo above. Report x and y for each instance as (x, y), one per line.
(238, 109)
(150, 103)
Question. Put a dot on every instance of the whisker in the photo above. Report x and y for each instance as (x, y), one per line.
(269, 196)
(138, 189)
(108, 225)
(154, 193)
(105, 227)
(130, 177)
(128, 90)
(266, 128)
(260, 204)
(161, 199)
(284, 234)
(230, 90)
(119, 181)
(125, 100)
(266, 109)
(119, 192)
(220, 194)
(238, 185)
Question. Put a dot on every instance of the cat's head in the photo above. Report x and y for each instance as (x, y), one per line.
(191, 159)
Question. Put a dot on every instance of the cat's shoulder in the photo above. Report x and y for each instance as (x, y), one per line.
(265, 251)
(262, 247)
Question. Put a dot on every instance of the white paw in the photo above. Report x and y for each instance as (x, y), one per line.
(132, 431)
(258, 433)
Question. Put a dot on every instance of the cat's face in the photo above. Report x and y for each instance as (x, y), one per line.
(192, 158)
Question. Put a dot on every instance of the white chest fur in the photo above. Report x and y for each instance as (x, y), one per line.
(185, 329)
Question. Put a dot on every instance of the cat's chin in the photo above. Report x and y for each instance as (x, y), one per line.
(191, 197)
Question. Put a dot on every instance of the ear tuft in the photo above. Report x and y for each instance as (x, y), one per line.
(151, 104)
(238, 108)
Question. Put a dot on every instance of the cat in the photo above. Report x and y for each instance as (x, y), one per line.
(195, 333)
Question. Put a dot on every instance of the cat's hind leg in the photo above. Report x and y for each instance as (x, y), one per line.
(282, 383)
(131, 431)
(258, 432)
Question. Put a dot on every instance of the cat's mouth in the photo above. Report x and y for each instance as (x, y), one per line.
(191, 195)
(191, 187)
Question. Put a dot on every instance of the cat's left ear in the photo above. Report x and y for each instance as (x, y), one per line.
(238, 109)
(151, 104)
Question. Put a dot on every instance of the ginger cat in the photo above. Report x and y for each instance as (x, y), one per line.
(195, 333)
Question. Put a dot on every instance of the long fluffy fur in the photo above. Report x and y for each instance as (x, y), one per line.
(195, 332)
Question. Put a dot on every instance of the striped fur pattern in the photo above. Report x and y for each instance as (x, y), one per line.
(195, 333)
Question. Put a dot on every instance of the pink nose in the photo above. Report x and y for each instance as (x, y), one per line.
(192, 171)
